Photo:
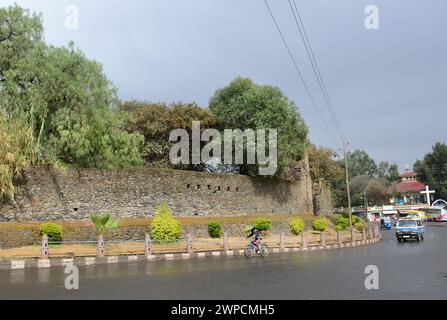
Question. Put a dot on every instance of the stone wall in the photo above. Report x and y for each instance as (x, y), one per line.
(322, 199)
(46, 194)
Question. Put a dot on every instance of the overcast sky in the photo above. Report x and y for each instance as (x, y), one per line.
(388, 86)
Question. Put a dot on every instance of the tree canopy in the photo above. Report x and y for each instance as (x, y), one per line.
(65, 97)
(432, 170)
(246, 105)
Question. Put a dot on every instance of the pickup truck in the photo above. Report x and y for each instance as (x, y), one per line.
(410, 229)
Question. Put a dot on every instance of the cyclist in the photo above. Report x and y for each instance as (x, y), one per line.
(257, 237)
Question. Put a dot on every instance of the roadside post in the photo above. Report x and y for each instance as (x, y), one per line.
(303, 240)
(322, 239)
(225, 241)
(44, 248)
(352, 235)
(101, 246)
(363, 234)
(147, 245)
(189, 243)
(281, 241)
(338, 237)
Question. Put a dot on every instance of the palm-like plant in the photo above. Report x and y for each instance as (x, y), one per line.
(104, 222)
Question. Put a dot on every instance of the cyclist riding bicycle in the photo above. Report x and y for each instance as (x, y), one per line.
(257, 237)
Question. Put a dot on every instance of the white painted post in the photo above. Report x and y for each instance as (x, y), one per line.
(44, 249)
(352, 235)
(303, 240)
(225, 241)
(363, 234)
(281, 241)
(322, 239)
(189, 243)
(101, 245)
(338, 237)
(148, 245)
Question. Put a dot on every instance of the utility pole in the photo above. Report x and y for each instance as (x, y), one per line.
(345, 150)
(366, 205)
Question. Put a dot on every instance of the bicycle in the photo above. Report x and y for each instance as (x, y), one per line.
(251, 249)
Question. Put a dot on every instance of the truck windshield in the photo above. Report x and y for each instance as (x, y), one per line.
(406, 223)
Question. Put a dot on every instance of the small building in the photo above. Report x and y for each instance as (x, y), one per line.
(407, 191)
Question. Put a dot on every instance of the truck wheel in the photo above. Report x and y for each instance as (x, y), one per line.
(418, 238)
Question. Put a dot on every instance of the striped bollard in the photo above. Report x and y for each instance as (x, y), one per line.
(189, 243)
(281, 241)
(44, 248)
(147, 245)
(101, 245)
(225, 241)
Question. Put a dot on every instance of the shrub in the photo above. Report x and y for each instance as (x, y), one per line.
(320, 224)
(52, 230)
(164, 228)
(262, 224)
(247, 230)
(214, 229)
(104, 222)
(341, 223)
(296, 226)
(359, 225)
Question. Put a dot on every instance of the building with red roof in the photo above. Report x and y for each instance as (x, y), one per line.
(407, 191)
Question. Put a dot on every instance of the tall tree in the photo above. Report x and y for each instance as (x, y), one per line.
(246, 105)
(67, 98)
(432, 170)
(155, 121)
(360, 163)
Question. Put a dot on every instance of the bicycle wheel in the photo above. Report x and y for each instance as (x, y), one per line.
(264, 251)
(249, 252)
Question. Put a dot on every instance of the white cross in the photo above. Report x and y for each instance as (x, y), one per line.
(427, 193)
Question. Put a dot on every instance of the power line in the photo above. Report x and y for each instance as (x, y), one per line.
(299, 71)
(303, 33)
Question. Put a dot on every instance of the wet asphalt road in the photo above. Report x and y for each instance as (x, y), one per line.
(409, 270)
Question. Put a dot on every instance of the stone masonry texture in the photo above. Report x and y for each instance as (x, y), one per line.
(47, 194)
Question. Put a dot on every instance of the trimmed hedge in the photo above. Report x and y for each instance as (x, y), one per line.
(215, 229)
(320, 224)
(52, 230)
(296, 226)
(262, 224)
(164, 228)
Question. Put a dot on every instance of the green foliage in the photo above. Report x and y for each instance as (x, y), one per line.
(297, 226)
(247, 230)
(164, 228)
(215, 229)
(104, 222)
(16, 152)
(360, 225)
(52, 230)
(360, 163)
(66, 98)
(432, 170)
(341, 222)
(155, 121)
(245, 105)
(262, 224)
(320, 224)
